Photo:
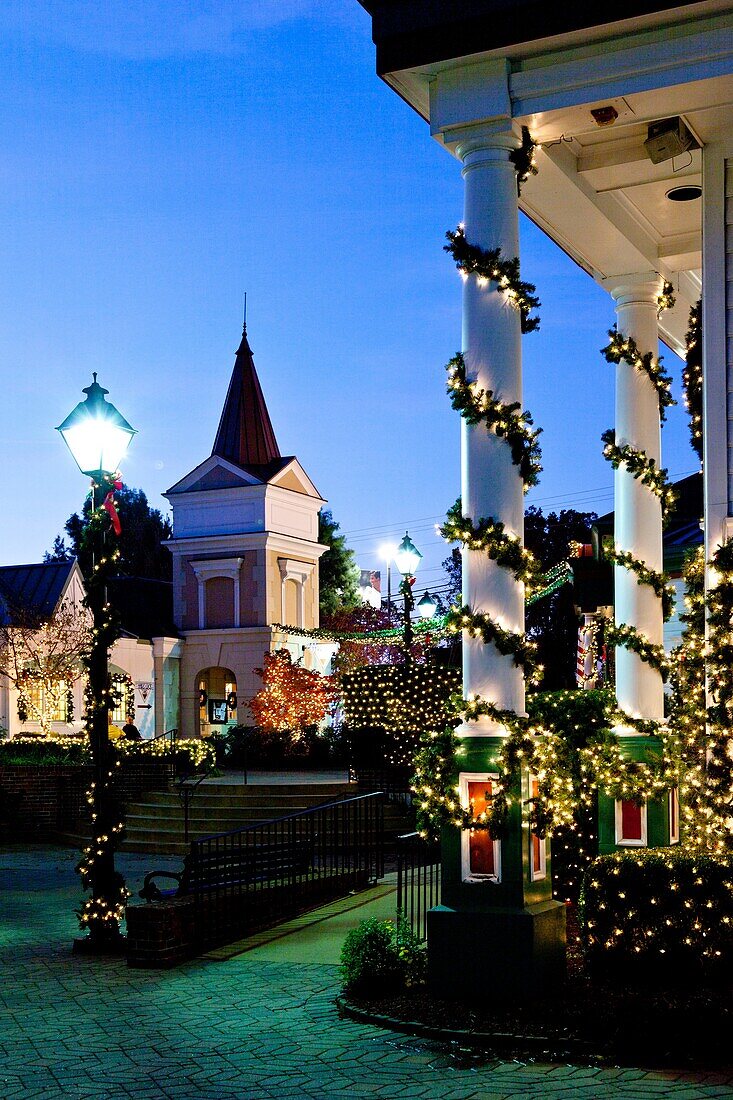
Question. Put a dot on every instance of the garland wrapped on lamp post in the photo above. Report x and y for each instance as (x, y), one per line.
(98, 436)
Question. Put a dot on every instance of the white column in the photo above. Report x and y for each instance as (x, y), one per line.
(490, 482)
(638, 511)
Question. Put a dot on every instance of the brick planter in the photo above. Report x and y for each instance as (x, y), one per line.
(160, 934)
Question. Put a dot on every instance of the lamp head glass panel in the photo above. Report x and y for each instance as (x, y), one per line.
(427, 606)
(407, 557)
(96, 433)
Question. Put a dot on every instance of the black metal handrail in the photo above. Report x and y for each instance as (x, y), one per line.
(260, 874)
(418, 880)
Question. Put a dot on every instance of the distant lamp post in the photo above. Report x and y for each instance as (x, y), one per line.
(387, 552)
(407, 559)
(98, 437)
(427, 606)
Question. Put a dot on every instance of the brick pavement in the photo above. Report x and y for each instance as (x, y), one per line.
(252, 1028)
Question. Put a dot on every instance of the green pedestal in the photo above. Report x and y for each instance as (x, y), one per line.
(500, 936)
(656, 811)
(496, 954)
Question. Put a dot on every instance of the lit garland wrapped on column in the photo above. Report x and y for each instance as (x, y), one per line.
(102, 913)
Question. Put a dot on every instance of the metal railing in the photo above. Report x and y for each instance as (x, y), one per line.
(418, 880)
(261, 874)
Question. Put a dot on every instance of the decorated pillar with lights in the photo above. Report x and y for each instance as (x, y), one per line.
(642, 495)
(497, 929)
(638, 504)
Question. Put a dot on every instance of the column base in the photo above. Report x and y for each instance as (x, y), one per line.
(497, 954)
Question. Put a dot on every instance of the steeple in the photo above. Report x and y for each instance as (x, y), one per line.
(245, 435)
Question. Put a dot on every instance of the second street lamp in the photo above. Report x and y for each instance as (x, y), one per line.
(407, 559)
(98, 436)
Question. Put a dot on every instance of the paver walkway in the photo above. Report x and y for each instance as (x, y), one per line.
(261, 1025)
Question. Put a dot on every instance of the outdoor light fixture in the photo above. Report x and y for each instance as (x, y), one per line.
(407, 557)
(669, 138)
(427, 606)
(387, 553)
(96, 433)
(686, 193)
(98, 436)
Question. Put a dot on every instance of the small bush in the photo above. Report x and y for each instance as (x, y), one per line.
(662, 911)
(380, 957)
(44, 751)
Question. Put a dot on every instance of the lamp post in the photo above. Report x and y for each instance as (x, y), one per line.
(427, 606)
(98, 436)
(407, 558)
(387, 551)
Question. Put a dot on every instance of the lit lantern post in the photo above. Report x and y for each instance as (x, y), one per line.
(407, 559)
(427, 606)
(98, 437)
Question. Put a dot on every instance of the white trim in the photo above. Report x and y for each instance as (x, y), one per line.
(298, 572)
(536, 876)
(620, 842)
(211, 463)
(464, 779)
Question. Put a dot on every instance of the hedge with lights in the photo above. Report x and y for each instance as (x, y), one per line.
(664, 911)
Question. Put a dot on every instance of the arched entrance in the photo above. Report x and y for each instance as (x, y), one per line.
(216, 700)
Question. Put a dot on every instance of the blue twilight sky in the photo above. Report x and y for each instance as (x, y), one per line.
(159, 158)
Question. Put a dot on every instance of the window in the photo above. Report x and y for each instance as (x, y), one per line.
(674, 816)
(538, 844)
(630, 823)
(53, 705)
(480, 854)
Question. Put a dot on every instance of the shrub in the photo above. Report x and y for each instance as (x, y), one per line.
(663, 911)
(380, 957)
(44, 751)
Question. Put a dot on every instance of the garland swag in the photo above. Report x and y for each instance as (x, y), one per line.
(692, 380)
(489, 266)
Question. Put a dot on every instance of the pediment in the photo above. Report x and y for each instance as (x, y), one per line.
(294, 478)
(214, 473)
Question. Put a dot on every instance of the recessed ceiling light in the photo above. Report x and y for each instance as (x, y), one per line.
(685, 194)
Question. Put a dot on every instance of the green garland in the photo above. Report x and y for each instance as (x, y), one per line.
(623, 349)
(480, 625)
(478, 406)
(523, 159)
(643, 468)
(621, 634)
(489, 266)
(659, 582)
(719, 767)
(666, 299)
(692, 379)
(490, 536)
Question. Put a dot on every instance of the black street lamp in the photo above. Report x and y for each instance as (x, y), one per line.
(98, 437)
(407, 559)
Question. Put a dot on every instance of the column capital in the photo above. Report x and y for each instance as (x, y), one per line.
(641, 286)
(486, 144)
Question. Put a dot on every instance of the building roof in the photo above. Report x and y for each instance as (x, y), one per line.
(683, 530)
(145, 606)
(32, 590)
(411, 33)
(245, 435)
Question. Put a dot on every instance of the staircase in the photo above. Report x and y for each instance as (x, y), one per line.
(155, 824)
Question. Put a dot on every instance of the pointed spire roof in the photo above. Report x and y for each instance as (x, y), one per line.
(245, 435)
